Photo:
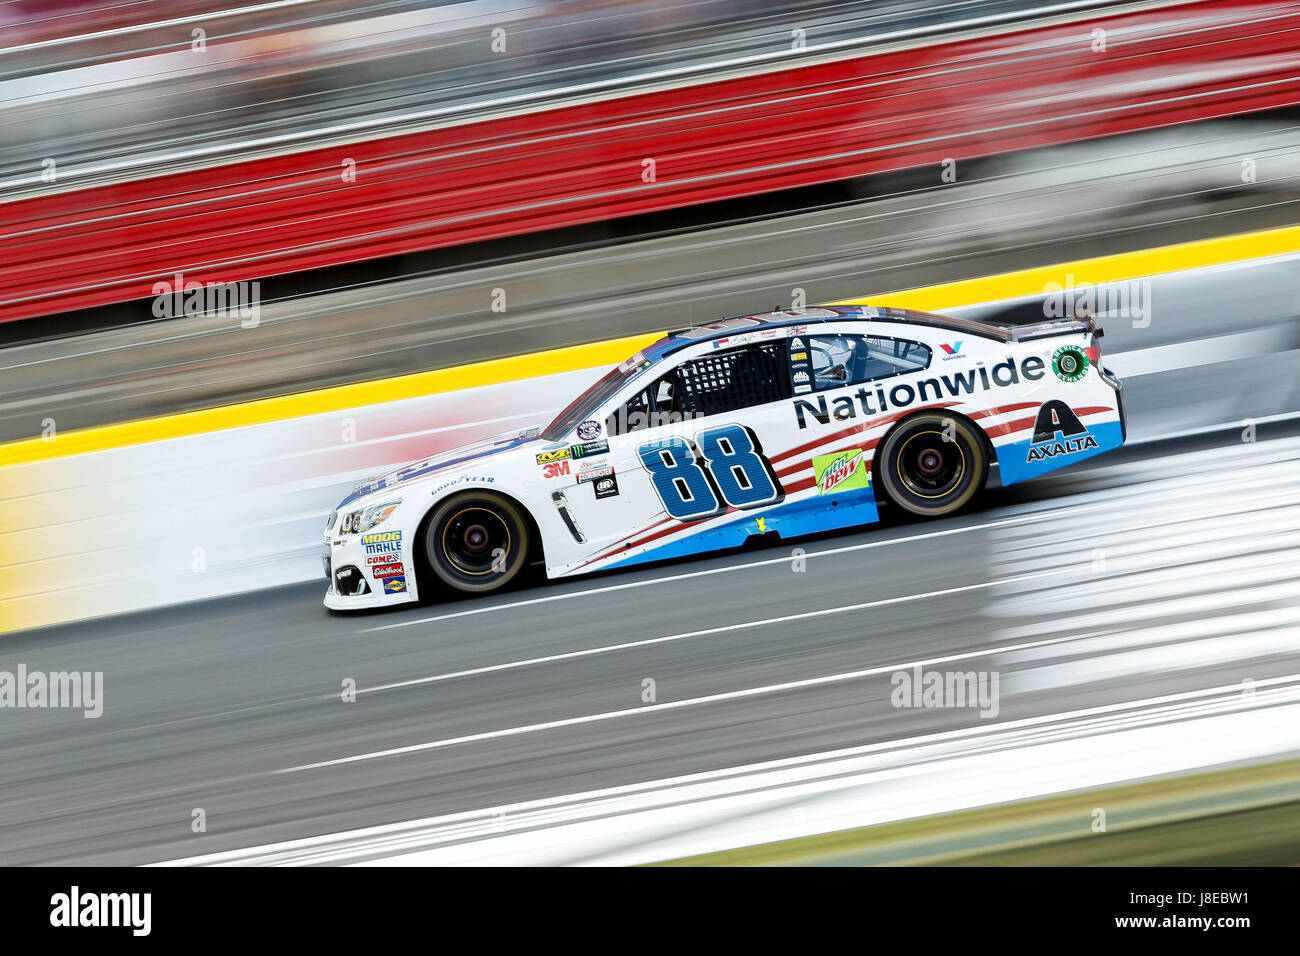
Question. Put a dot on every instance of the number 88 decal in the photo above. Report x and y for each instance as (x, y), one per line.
(724, 466)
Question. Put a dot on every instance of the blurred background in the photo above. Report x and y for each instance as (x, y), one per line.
(411, 187)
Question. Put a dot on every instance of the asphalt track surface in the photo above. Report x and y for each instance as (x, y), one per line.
(234, 706)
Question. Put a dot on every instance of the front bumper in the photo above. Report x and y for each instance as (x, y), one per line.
(337, 602)
(362, 575)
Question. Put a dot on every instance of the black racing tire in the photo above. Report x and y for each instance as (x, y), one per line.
(933, 464)
(477, 541)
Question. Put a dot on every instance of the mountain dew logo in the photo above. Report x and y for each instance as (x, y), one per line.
(844, 470)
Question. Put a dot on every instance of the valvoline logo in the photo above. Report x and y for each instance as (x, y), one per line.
(951, 349)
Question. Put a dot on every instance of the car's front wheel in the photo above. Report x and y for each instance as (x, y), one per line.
(477, 541)
(932, 464)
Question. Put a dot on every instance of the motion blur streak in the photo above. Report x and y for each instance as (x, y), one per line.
(1165, 589)
(823, 793)
(1047, 207)
(714, 140)
(614, 168)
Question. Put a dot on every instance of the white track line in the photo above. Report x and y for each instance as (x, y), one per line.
(587, 592)
(710, 698)
(744, 625)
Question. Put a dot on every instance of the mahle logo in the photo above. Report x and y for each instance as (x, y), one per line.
(842, 471)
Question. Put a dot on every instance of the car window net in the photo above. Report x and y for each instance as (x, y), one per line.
(730, 380)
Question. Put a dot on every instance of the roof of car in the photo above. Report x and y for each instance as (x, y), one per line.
(683, 338)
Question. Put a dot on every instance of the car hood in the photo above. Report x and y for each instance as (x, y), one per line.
(413, 471)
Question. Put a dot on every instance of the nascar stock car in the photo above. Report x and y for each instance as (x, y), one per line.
(787, 423)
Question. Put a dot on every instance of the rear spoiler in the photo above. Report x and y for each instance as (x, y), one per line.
(1053, 327)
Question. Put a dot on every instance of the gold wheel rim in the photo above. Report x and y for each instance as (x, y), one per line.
(961, 470)
(456, 564)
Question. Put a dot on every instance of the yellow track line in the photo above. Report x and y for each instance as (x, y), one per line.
(1116, 268)
(1010, 285)
(337, 398)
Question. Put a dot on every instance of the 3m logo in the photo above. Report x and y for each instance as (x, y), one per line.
(555, 469)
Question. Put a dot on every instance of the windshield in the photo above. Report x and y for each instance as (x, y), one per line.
(582, 407)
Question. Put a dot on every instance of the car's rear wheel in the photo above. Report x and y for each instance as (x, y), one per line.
(478, 541)
(932, 464)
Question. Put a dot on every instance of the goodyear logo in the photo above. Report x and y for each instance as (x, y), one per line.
(558, 454)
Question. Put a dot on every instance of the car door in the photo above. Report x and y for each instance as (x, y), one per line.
(687, 466)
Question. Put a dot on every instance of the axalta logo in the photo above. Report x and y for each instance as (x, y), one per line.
(1057, 418)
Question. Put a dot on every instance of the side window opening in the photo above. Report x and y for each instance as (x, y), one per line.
(634, 415)
(726, 381)
(710, 385)
(841, 359)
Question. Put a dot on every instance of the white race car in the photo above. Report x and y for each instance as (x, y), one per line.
(787, 423)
